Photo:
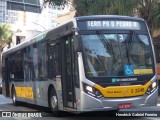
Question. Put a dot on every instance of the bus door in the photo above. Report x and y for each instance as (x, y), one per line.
(67, 73)
(7, 74)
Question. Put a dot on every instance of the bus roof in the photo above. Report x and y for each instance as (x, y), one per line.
(26, 42)
(48, 33)
(108, 17)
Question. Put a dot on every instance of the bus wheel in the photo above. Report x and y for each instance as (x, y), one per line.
(14, 98)
(53, 103)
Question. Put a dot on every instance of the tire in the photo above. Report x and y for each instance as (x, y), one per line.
(14, 97)
(0, 90)
(53, 103)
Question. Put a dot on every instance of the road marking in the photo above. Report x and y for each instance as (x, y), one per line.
(5, 103)
(151, 118)
(158, 104)
(20, 118)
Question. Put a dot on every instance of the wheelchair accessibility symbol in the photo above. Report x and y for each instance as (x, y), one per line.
(129, 71)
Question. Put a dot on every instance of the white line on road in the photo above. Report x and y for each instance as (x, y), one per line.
(151, 118)
(20, 118)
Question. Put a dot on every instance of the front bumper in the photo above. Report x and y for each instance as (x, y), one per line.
(89, 103)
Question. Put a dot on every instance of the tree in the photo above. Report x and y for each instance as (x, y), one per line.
(122, 7)
(146, 9)
(5, 35)
(91, 7)
(5, 38)
(149, 10)
(82, 7)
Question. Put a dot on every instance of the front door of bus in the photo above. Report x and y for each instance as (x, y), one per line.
(67, 70)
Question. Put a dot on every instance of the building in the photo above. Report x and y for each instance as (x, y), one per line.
(27, 24)
(7, 16)
(61, 18)
(2, 11)
(17, 21)
(49, 14)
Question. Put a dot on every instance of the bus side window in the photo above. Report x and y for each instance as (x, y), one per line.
(41, 50)
(17, 66)
(26, 64)
(53, 60)
(35, 61)
(12, 67)
(30, 63)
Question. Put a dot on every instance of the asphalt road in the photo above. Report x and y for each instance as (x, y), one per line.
(27, 109)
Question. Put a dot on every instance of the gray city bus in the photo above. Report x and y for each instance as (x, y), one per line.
(91, 63)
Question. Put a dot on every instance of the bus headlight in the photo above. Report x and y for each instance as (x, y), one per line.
(154, 85)
(151, 88)
(92, 91)
(89, 88)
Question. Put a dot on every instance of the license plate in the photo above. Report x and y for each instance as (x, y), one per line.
(125, 105)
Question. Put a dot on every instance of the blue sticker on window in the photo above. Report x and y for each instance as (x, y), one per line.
(129, 70)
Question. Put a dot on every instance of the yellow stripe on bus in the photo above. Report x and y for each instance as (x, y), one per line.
(123, 91)
(24, 92)
(143, 71)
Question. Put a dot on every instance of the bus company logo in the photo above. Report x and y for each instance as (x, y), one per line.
(126, 79)
(6, 114)
(125, 91)
(114, 80)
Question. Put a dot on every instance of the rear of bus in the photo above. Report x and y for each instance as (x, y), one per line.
(116, 63)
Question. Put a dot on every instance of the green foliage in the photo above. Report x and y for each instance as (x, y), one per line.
(54, 2)
(146, 9)
(156, 15)
(122, 7)
(90, 7)
(5, 33)
(83, 7)
(149, 10)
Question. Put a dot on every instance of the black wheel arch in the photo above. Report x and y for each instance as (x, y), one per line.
(49, 89)
(12, 88)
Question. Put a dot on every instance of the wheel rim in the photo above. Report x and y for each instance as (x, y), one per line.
(14, 97)
(54, 102)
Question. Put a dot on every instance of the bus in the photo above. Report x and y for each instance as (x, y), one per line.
(90, 63)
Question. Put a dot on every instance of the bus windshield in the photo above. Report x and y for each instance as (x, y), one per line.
(115, 54)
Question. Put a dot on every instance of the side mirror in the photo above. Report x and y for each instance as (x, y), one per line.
(76, 42)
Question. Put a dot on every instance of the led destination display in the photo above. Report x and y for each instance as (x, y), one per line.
(112, 24)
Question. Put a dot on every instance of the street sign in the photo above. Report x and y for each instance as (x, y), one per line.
(24, 5)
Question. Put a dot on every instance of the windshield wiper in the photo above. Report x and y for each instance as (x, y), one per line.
(129, 46)
(107, 43)
(109, 46)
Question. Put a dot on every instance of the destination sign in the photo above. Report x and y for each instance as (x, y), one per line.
(110, 24)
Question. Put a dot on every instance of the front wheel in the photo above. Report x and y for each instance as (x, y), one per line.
(14, 98)
(53, 103)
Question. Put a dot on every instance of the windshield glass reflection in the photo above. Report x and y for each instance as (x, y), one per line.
(116, 54)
